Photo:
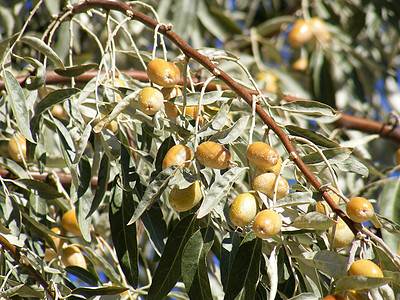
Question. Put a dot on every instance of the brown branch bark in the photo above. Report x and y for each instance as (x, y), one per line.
(22, 261)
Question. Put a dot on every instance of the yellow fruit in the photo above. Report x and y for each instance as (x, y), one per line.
(58, 241)
(163, 73)
(73, 256)
(118, 83)
(267, 223)
(50, 254)
(185, 199)
(171, 110)
(69, 222)
(354, 295)
(171, 92)
(300, 64)
(243, 209)
(265, 182)
(274, 169)
(359, 209)
(17, 147)
(59, 112)
(319, 30)
(323, 207)
(343, 235)
(300, 34)
(269, 82)
(334, 297)
(398, 157)
(365, 267)
(178, 155)
(150, 100)
(213, 155)
(262, 155)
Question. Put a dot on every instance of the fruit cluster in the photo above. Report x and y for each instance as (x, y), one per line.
(304, 31)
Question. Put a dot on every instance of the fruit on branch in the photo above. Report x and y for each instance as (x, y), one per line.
(365, 267)
(178, 155)
(320, 30)
(265, 183)
(343, 235)
(50, 253)
(334, 297)
(186, 198)
(150, 100)
(17, 147)
(359, 209)
(300, 33)
(323, 207)
(118, 82)
(213, 155)
(354, 295)
(267, 223)
(163, 73)
(274, 169)
(73, 256)
(243, 209)
(300, 64)
(59, 112)
(171, 92)
(398, 157)
(268, 81)
(262, 155)
(69, 222)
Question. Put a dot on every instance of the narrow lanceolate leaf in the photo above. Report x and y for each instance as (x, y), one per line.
(153, 192)
(44, 190)
(312, 136)
(88, 292)
(230, 134)
(33, 82)
(75, 70)
(124, 236)
(82, 207)
(18, 104)
(359, 283)
(333, 155)
(168, 270)
(313, 220)
(102, 182)
(194, 266)
(41, 230)
(53, 98)
(219, 189)
(229, 246)
(308, 107)
(41, 46)
(243, 276)
(192, 99)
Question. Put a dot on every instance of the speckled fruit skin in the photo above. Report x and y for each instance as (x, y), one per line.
(178, 155)
(274, 169)
(359, 209)
(319, 30)
(69, 222)
(343, 235)
(365, 267)
(265, 182)
(150, 100)
(334, 297)
(163, 73)
(243, 209)
(185, 199)
(262, 155)
(267, 223)
(73, 256)
(213, 155)
(13, 149)
(300, 34)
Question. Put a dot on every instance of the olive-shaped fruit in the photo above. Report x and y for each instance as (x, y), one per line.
(359, 209)
(73, 256)
(319, 30)
(17, 147)
(365, 267)
(300, 34)
(243, 209)
(213, 155)
(274, 169)
(265, 183)
(262, 155)
(69, 222)
(343, 235)
(267, 223)
(150, 100)
(186, 198)
(178, 155)
(163, 73)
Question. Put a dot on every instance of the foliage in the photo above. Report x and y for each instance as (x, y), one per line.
(136, 246)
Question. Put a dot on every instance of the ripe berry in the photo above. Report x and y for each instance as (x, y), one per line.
(274, 169)
(323, 207)
(69, 222)
(300, 34)
(398, 156)
(17, 147)
(73, 256)
(59, 112)
(300, 64)
(213, 155)
(51, 253)
(343, 235)
(177, 155)
(267, 223)
(319, 30)
(185, 199)
(365, 267)
(171, 92)
(243, 209)
(163, 73)
(359, 209)
(265, 182)
(262, 155)
(334, 297)
(150, 100)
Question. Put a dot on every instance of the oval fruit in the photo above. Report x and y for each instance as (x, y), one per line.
(243, 209)
(300, 34)
(274, 169)
(150, 100)
(359, 209)
(171, 92)
(17, 147)
(163, 73)
(265, 182)
(73, 256)
(178, 155)
(300, 64)
(262, 155)
(398, 156)
(365, 267)
(58, 241)
(185, 199)
(343, 235)
(59, 112)
(69, 222)
(323, 207)
(334, 297)
(267, 223)
(319, 30)
(213, 155)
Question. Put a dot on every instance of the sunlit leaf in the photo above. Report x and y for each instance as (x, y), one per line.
(53, 98)
(313, 220)
(359, 283)
(75, 70)
(41, 46)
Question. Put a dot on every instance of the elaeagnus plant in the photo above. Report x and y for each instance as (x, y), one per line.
(199, 150)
